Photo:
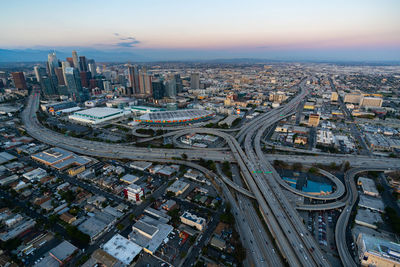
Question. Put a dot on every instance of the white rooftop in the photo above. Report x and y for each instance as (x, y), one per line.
(122, 249)
(98, 112)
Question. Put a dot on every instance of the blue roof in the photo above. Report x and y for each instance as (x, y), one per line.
(315, 187)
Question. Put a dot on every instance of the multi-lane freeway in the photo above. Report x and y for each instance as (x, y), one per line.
(263, 182)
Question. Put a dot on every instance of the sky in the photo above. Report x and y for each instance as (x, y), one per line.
(207, 29)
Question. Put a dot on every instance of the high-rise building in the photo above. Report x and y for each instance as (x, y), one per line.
(52, 64)
(60, 75)
(39, 73)
(85, 78)
(73, 82)
(179, 85)
(75, 59)
(19, 80)
(47, 86)
(158, 89)
(83, 64)
(313, 120)
(92, 67)
(144, 82)
(133, 75)
(122, 79)
(71, 61)
(195, 81)
(170, 87)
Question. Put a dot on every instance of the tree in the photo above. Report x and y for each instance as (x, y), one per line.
(170, 194)
(120, 226)
(380, 188)
(313, 170)
(240, 254)
(184, 156)
(297, 166)
(333, 166)
(77, 236)
(347, 166)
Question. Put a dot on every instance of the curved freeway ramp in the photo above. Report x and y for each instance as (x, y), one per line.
(342, 222)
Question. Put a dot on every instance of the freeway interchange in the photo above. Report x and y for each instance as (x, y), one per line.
(288, 232)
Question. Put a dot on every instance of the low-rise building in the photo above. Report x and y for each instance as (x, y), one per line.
(368, 218)
(140, 165)
(368, 186)
(134, 193)
(373, 251)
(193, 220)
(129, 178)
(371, 203)
(122, 249)
(63, 252)
(150, 233)
(35, 175)
(178, 187)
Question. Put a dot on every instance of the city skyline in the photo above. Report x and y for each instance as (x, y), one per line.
(177, 30)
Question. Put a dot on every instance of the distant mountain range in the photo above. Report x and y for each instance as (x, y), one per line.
(34, 55)
(177, 55)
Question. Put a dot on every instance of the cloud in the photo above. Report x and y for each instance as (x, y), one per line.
(126, 41)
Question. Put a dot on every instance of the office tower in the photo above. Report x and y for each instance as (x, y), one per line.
(92, 67)
(179, 85)
(19, 80)
(60, 75)
(39, 73)
(195, 81)
(70, 60)
(73, 82)
(141, 81)
(133, 75)
(52, 64)
(148, 88)
(107, 85)
(75, 59)
(122, 79)
(92, 83)
(170, 87)
(144, 82)
(158, 89)
(47, 86)
(85, 78)
(82, 63)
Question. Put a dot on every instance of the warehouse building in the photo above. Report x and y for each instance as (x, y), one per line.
(122, 249)
(60, 159)
(368, 186)
(374, 251)
(150, 233)
(368, 218)
(178, 187)
(97, 115)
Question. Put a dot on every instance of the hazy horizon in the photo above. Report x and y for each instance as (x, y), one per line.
(186, 30)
